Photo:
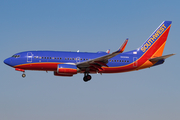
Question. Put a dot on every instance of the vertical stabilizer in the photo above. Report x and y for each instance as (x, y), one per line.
(154, 45)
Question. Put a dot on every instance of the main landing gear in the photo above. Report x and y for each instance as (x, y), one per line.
(87, 77)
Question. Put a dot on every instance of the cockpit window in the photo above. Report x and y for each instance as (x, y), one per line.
(16, 56)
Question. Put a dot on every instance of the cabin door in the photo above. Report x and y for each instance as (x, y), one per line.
(29, 57)
(135, 62)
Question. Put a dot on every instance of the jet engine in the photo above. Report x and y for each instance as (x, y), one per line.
(66, 70)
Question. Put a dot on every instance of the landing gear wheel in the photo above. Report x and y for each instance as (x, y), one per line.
(23, 75)
(86, 77)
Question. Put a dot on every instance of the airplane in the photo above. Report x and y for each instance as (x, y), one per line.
(64, 63)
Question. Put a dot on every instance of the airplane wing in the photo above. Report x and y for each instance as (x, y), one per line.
(97, 63)
(160, 58)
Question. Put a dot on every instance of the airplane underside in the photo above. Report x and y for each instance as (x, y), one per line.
(85, 71)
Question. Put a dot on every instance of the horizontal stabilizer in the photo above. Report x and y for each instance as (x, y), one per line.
(160, 58)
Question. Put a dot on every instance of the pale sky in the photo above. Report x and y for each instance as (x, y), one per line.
(88, 26)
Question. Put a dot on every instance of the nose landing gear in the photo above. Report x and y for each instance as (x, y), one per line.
(87, 77)
(21, 70)
(23, 75)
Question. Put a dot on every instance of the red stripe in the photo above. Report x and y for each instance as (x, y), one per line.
(39, 66)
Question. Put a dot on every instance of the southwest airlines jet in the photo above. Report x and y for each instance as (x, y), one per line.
(70, 63)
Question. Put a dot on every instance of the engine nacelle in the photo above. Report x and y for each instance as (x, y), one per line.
(67, 69)
(63, 74)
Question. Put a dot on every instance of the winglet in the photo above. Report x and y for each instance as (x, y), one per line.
(123, 46)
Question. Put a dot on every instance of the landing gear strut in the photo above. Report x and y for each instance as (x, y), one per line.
(87, 77)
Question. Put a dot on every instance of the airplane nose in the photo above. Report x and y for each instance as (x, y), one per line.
(8, 61)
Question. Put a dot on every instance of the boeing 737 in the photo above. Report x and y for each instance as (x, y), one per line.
(62, 63)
